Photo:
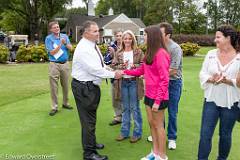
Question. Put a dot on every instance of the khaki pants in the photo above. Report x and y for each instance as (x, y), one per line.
(58, 71)
(117, 105)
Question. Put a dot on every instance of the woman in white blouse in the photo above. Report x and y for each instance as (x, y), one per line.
(221, 94)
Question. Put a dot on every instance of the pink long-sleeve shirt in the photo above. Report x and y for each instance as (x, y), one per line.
(156, 76)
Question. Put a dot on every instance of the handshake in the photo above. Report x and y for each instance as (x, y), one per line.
(118, 74)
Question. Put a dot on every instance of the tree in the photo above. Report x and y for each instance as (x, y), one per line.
(102, 7)
(188, 18)
(133, 8)
(158, 11)
(230, 12)
(36, 13)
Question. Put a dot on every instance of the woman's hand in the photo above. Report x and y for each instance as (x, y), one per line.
(226, 81)
(215, 79)
(155, 107)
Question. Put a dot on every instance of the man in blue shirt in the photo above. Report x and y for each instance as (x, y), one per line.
(57, 46)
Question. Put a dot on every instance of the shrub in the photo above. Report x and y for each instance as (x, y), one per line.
(3, 54)
(39, 53)
(189, 49)
(103, 48)
(143, 47)
(202, 40)
(32, 53)
(24, 54)
(71, 52)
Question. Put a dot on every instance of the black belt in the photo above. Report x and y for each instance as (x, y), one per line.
(83, 82)
(130, 79)
(59, 62)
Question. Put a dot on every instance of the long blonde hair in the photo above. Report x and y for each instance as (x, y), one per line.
(134, 41)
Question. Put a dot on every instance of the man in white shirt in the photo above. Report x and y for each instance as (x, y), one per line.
(88, 70)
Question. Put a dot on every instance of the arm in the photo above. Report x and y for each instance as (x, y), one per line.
(94, 67)
(139, 59)
(49, 46)
(204, 76)
(163, 62)
(176, 58)
(68, 43)
(139, 64)
(135, 72)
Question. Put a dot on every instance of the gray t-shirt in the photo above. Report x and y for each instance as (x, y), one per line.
(176, 59)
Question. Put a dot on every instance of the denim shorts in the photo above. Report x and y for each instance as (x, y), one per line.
(149, 102)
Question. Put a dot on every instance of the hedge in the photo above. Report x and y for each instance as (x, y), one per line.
(32, 53)
(3, 54)
(202, 40)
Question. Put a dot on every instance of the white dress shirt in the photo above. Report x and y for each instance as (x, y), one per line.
(87, 65)
(223, 95)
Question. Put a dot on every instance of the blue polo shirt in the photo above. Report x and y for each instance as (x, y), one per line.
(49, 44)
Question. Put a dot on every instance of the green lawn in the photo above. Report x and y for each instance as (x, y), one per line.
(204, 50)
(28, 130)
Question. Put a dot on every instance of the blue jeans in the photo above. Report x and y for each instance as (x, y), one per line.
(130, 104)
(175, 91)
(210, 116)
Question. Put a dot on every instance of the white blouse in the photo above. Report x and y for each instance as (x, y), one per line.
(223, 95)
(128, 56)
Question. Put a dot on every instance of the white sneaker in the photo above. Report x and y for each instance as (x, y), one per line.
(172, 144)
(150, 156)
(149, 139)
(160, 158)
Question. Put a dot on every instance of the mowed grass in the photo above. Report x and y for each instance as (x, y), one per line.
(28, 130)
(204, 50)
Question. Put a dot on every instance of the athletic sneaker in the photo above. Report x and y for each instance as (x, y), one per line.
(149, 139)
(150, 156)
(172, 144)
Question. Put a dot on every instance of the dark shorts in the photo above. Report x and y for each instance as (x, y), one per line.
(149, 102)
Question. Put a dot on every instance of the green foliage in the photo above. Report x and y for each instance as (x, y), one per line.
(32, 54)
(71, 52)
(103, 48)
(133, 8)
(34, 15)
(189, 49)
(143, 47)
(102, 7)
(189, 18)
(158, 11)
(39, 53)
(12, 21)
(3, 54)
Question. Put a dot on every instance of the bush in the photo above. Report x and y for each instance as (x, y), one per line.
(202, 40)
(32, 53)
(103, 48)
(189, 49)
(39, 53)
(71, 52)
(3, 54)
(143, 47)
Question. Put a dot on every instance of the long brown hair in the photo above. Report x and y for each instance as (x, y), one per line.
(154, 42)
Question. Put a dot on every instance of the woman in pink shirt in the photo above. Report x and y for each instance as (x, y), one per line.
(155, 70)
